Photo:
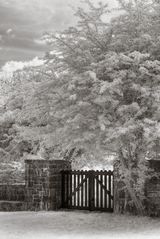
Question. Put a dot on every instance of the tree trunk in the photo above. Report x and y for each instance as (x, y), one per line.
(137, 202)
(127, 181)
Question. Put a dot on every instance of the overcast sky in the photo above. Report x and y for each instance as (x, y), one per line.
(22, 23)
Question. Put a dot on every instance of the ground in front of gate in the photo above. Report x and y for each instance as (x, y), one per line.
(76, 225)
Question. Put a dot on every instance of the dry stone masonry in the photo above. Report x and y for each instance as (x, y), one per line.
(42, 188)
(12, 197)
(153, 189)
(43, 183)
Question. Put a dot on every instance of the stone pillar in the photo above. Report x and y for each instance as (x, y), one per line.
(44, 184)
(153, 189)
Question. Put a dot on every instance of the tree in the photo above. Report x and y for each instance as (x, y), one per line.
(137, 27)
(17, 117)
(93, 95)
(132, 28)
(111, 99)
(78, 47)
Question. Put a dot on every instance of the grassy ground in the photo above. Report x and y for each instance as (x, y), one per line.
(76, 224)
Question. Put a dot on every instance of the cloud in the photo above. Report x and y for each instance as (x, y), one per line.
(22, 24)
(10, 67)
(40, 42)
(18, 54)
(9, 31)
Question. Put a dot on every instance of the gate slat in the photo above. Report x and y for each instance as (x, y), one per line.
(93, 204)
(109, 188)
(97, 196)
(99, 191)
(78, 190)
(86, 198)
(101, 178)
(70, 189)
(67, 189)
(82, 190)
(74, 186)
(63, 189)
(95, 193)
(105, 194)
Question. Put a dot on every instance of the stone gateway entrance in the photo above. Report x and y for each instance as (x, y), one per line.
(52, 185)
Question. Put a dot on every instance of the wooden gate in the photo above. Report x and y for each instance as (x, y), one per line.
(91, 190)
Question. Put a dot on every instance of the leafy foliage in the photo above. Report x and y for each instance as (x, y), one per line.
(97, 93)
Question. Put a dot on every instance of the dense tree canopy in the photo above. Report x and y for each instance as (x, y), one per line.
(96, 93)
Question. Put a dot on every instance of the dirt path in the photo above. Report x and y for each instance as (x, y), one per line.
(75, 224)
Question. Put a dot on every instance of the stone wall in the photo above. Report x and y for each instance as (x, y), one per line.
(12, 192)
(42, 189)
(153, 189)
(43, 183)
(12, 197)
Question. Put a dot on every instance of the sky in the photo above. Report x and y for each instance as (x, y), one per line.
(22, 23)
